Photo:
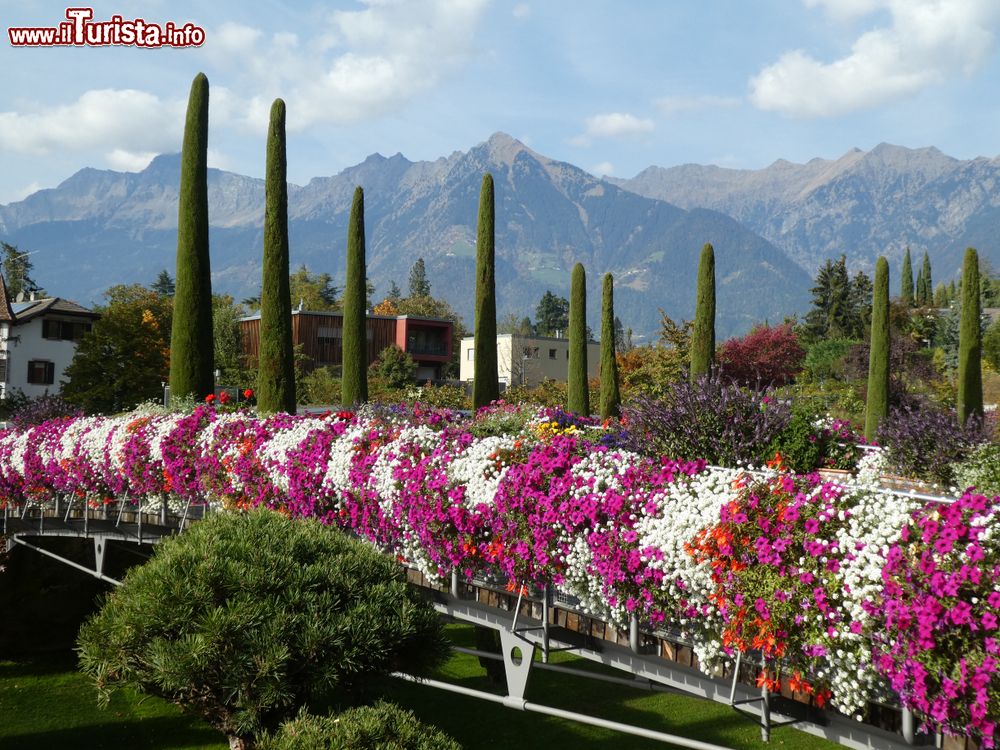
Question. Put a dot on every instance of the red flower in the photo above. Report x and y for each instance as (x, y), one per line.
(209, 398)
(224, 397)
(248, 393)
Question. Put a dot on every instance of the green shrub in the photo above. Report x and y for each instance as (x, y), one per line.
(246, 617)
(321, 386)
(445, 396)
(825, 359)
(799, 443)
(396, 368)
(383, 726)
(980, 469)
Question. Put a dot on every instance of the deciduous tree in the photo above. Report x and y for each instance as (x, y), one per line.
(767, 356)
(124, 359)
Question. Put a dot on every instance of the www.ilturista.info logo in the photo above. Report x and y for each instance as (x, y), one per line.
(80, 30)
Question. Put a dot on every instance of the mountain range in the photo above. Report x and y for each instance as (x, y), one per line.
(862, 205)
(771, 228)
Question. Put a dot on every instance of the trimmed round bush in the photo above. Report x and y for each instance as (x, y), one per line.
(246, 617)
(383, 726)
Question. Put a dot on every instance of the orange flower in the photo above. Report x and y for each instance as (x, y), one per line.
(799, 685)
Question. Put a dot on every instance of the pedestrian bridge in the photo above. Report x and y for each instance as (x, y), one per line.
(543, 622)
(118, 521)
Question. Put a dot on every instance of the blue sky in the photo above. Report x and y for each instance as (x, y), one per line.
(610, 86)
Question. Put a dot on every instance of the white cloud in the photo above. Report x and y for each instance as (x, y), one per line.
(613, 125)
(674, 105)
(20, 193)
(363, 64)
(604, 169)
(521, 11)
(927, 42)
(117, 119)
(129, 161)
(846, 10)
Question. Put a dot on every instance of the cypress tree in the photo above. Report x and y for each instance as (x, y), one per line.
(578, 395)
(906, 280)
(927, 293)
(610, 394)
(970, 346)
(703, 335)
(192, 348)
(486, 386)
(276, 373)
(354, 383)
(877, 406)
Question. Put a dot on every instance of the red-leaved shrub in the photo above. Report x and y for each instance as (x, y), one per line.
(766, 357)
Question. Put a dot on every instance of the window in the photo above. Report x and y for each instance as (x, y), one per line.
(64, 330)
(552, 353)
(41, 372)
(3, 367)
(470, 355)
(328, 343)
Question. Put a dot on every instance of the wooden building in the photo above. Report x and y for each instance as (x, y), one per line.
(426, 340)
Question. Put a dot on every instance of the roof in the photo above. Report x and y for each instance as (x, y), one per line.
(6, 314)
(25, 311)
(370, 316)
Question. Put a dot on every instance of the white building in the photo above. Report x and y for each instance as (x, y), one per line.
(37, 342)
(528, 360)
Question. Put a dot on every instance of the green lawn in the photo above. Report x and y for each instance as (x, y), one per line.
(45, 703)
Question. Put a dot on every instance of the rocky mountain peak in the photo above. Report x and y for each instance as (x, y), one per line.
(501, 148)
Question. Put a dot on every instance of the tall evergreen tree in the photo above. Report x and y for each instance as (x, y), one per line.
(191, 346)
(703, 335)
(395, 293)
(970, 344)
(164, 284)
(552, 315)
(837, 303)
(354, 386)
(877, 406)
(578, 395)
(906, 280)
(926, 292)
(610, 393)
(17, 268)
(276, 364)
(419, 285)
(486, 386)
